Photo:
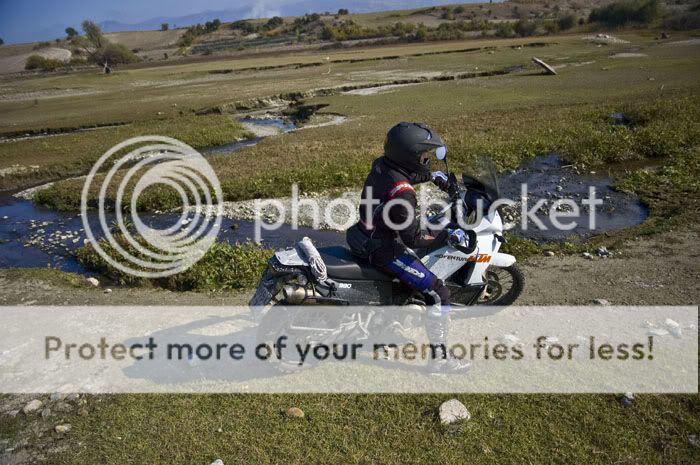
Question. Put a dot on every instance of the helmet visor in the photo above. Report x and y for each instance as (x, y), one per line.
(441, 152)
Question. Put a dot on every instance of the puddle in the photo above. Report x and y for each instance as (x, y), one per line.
(547, 178)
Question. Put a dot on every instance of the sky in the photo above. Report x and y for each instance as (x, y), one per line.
(31, 20)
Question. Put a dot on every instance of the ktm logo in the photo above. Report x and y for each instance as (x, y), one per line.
(481, 258)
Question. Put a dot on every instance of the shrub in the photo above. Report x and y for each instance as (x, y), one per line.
(505, 30)
(274, 22)
(223, 267)
(566, 22)
(164, 27)
(38, 62)
(113, 54)
(525, 28)
(683, 21)
(626, 12)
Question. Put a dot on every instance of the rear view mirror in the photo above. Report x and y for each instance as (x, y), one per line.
(441, 153)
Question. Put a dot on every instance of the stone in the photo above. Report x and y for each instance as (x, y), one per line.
(603, 252)
(673, 327)
(94, 281)
(46, 413)
(32, 406)
(627, 400)
(602, 302)
(217, 462)
(295, 412)
(63, 407)
(587, 256)
(61, 429)
(452, 411)
(549, 253)
(73, 397)
(108, 291)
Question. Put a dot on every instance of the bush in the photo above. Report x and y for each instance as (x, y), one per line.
(38, 62)
(505, 30)
(566, 22)
(525, 28)
(683, 21)
(274, 22)
(164, 27)
(223, 267)
(626, 12)
(42, 44)
(113, 54)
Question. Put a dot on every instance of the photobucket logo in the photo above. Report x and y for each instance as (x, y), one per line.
(145, 251)
(466, 211)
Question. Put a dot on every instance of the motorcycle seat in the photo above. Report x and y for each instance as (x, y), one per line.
(342, 264)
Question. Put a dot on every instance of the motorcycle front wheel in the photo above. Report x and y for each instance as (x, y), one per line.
(503, 287)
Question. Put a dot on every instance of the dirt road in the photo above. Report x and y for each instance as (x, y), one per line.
(661, 270)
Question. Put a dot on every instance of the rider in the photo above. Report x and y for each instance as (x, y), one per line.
(406, 162)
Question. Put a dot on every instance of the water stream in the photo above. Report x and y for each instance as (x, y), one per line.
(32, 236)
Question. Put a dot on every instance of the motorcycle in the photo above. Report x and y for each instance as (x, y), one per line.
(360, 302)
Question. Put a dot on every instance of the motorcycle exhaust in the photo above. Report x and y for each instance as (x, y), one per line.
(294, 295)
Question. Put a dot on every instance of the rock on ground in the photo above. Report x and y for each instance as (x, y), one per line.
(32, 406)
(452, 411)
(295, 412)
(62, 428)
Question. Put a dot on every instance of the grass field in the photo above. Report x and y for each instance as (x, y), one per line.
(386, 429)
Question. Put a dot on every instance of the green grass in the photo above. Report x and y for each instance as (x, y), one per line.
(49, 275)
(73, 154)
(223, 267)
(182, 429)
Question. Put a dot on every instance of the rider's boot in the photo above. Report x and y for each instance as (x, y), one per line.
(441, 361)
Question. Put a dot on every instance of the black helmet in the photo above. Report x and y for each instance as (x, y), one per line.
(407, 142)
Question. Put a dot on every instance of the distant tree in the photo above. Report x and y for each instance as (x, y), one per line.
(274, 22)
(459, 10)
(505, 29)
(421, 33)
(625, 12)
(525, 28)
(343, 11)
(93, 34)
(71, 32)
(566, 22)
(164, 26)
(113, 54)
(2, 42)
(211, 26)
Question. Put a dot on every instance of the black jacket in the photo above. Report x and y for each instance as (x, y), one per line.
(388, 181)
